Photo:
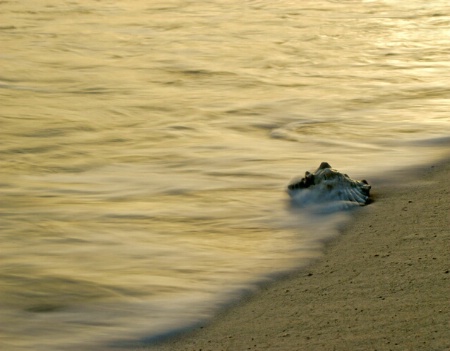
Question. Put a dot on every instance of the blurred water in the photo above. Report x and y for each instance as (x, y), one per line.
(145, 147)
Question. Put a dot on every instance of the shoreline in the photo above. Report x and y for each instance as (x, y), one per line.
(382, 284)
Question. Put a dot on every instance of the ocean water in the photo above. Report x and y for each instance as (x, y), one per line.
(146, 147)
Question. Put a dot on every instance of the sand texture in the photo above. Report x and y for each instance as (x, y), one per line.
(384, 284)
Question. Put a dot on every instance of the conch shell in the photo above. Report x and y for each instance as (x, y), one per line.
(329, 185)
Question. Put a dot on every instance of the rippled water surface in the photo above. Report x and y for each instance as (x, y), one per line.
(145, 148)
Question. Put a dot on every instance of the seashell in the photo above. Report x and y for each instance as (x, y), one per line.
(326, 185)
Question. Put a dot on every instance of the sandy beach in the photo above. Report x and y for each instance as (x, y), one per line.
(384, 284)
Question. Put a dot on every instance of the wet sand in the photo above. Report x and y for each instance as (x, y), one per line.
(384, 284)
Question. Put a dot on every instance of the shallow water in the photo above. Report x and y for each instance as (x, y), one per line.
(146, 148)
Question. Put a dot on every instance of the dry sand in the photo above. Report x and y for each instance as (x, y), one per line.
(384, 284)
